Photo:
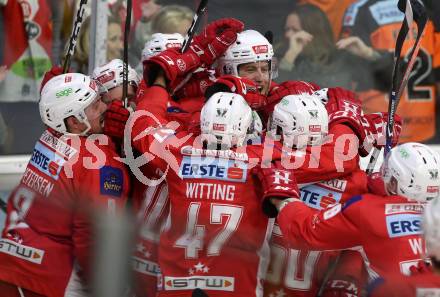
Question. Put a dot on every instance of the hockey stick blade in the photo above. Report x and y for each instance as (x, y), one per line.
(74, 36)
(195, 22)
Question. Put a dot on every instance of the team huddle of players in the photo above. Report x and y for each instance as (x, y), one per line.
(243, 187)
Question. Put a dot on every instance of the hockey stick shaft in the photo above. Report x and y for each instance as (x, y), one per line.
(74, 36)
(195, 23)
(397, 88)
(125, 58)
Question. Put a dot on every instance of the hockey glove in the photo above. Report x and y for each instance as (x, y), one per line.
(291, 87)
(114, 120)
(375, 127)
(242, 86)
(196, 86)
(277, 183)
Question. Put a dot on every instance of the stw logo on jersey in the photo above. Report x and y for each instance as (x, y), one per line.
(260, 49)
(217, 283)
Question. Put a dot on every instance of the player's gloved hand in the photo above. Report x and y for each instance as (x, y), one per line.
(375, 127)
(196, 86)
(51, 73)
(173, 64)
(421, 268)
(114, 120)
(239, 85)
(215, 39)
(277, 183)
(341, 288)
(291, 87)
(376, 185)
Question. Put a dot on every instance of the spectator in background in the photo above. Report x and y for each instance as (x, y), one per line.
(310, 53)
(334, 9)
(115, 44)
(376, 23)
(172, 19)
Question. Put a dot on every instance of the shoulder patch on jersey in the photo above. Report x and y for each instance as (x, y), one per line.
(351, 13)
(330, 213)
(351, 201)
(111, 181)
(213, 168)
(386, 12)
(47, 161)
(319, 197)
(415, 208)
(404, 224)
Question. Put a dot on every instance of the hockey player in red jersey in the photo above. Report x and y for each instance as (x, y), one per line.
(46, 243)
(410, 173)
(425, 279)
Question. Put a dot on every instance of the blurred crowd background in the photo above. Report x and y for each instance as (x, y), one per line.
(343, 43)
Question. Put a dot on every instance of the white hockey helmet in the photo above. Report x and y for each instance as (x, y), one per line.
(160, 42)
(67, 95)
(111, 74)
(431, 230)
(250, 46)
(301, 120)
(225, 120)
(415, 169)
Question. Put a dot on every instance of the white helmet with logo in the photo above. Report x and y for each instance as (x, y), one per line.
(160, 42)
(225, 120)
(301, 120)
(412, 170)
(250, 46)
(431, 230)
(111, 75)
(67, 95)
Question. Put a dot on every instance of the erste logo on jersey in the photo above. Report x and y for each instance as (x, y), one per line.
(47, 161)
(319, 197)
(399, 225)
(111, 181)
(213, 168)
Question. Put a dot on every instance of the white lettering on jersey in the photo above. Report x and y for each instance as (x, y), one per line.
(416, 245)
(282, 176)
(328, 214)
(210, 191)
(37, 183)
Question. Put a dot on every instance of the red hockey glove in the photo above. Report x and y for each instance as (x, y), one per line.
(341, 288)
(276, 183)
(196, 86)
(114, 120)
(239, 85)
(291, 87)
(173, 64)
(51, 73)
(376, 185)
(375, 126)
(421, 268)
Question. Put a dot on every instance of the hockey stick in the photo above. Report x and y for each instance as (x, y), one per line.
(125, 58)
(195, 23)
(189, 36)
(414, 10)
(75, 32)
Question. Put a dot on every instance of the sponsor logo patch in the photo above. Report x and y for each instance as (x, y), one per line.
(145, 267)
(213, 168)
(318, 197)
(315, 128)
(225, 154)
(111, 181)
(399, 225)
(21, 251)
(386, 12)
(215, 283)
(106, 77)
(47, 161)
(409, 208)
(57, 145)
(260, 49)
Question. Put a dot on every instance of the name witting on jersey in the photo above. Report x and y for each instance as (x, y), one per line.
(216, 283)
(213, 168)
(210, 191)
(21, 251)
(403, 225)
